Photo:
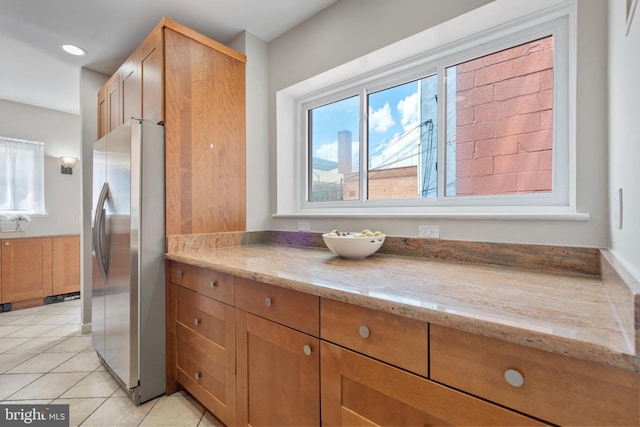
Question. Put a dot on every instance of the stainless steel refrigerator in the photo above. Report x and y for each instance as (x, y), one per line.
(128, 290)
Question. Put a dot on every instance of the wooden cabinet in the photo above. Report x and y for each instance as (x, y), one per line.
(259, 354)
(109, 116)
(374, 387)
(32, 269)
(360, 391)
(201, 340)
(278, 366)
(26, 269)
(250, 364)
(549, 386)
(65, 260)
(196, 87)
(278, 374)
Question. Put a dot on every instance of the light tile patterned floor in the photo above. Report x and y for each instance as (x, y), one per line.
(45, 359)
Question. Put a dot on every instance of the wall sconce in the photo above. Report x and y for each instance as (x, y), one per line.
(67, 164)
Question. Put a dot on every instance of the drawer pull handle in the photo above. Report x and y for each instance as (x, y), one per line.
(198, 375)
(513, 378)
(213, 284)
(196, 321)
(307, 350)
(180, 274)
(364, 331)
(267, 302)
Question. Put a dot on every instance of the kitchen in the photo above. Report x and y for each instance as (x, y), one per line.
(305, 52)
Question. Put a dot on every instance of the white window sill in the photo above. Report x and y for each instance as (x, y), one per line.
(537, 216)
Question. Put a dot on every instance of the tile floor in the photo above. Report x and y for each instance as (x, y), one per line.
(45, 359)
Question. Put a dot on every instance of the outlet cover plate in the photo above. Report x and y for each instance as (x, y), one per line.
(429, 231)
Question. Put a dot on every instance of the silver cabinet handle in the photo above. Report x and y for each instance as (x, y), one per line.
(364, 331)
(307, 350)
(267, 302)
(213, 284)
(180, 273)
(196, 321)
(513, 378)
(7, 243)
(198, 375)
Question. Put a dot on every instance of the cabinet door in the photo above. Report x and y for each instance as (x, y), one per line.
(130, 91)
(113, 103)
(205, 138)
(359, 391)
(150, 63)
(66, 264)
(103, 113)
(26, 269)
(278, 374)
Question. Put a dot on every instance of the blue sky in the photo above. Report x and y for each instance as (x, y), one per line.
(390, 113)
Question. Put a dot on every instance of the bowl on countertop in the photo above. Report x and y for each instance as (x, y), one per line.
(353, 245)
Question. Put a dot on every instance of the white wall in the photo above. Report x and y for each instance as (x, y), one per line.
(60, 133)
(350, 29)
(90, 83)
(624, 132)
(257, 100)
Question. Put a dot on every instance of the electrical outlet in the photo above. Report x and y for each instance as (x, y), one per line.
(429, 231)
(304, 226)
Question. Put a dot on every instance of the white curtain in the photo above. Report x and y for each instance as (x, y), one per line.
(21, 176)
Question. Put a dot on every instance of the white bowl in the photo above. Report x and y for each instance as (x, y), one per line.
(349, 246)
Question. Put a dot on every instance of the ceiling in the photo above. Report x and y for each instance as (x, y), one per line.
(31, 32)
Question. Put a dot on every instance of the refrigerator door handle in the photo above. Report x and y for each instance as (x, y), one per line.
(100, 231)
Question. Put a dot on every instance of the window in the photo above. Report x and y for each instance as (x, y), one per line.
(496, 139)
(480, 124)
(21, 176)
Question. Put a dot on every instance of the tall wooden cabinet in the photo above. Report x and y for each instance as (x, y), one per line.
(196, 87)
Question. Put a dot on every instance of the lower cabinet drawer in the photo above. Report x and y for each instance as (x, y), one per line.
(552, 387)
(208, 381)
(294, 309)
(358, 390)
(207, 325)
(394, 339)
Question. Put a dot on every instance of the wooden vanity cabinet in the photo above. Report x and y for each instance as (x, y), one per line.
(196, 87)
(278, 365)
(552, 387)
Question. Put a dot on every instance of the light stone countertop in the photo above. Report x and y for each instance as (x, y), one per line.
(562, 312)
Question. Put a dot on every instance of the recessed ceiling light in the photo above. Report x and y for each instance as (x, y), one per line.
(74, 50)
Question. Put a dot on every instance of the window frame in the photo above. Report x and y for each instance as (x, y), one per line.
(557, 21)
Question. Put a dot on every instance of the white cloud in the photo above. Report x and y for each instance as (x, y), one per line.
(330, 151)
(381, 120)
(409, 109)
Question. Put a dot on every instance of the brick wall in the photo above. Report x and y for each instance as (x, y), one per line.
(504, 121)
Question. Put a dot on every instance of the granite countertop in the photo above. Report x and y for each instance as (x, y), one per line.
(563, 312)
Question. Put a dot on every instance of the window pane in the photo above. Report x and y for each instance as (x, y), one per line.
(334, 154)
(502, 141)
(402, 141)
(21, 176)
